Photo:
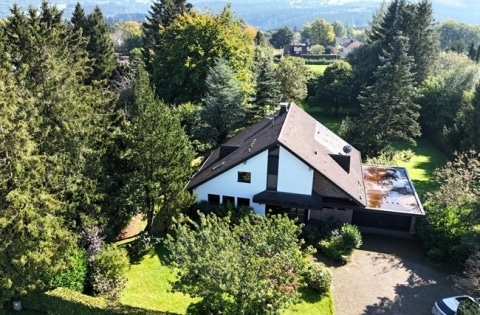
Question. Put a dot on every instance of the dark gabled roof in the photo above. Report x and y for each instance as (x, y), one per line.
(319, 147)
(248, 143)
(305, 138)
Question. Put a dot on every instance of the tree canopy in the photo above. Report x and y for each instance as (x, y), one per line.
(250, 268)
(191, 45)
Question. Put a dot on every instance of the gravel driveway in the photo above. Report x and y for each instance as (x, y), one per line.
(388, 276)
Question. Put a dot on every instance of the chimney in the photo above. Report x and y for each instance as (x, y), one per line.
(284, 107)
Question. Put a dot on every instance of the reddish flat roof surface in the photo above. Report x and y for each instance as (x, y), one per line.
(389, 188)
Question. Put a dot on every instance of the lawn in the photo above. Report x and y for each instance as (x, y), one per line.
(149, 287)
(317, 69)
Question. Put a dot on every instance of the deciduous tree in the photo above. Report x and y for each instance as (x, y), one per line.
(291, 73)
(191, 45)
(319, 32)
(282, 37)
(250, 268)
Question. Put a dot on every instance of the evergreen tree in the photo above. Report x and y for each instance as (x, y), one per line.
(161, 15)
(472, 139)
(34, 240)
(71, 132)
(389, 107)
(267, 92)
(160, 151)
(223, 111)
(79, 19)
(100, 47)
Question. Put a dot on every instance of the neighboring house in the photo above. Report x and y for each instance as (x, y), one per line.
(296, 50)
(291, 163)
(349, 46)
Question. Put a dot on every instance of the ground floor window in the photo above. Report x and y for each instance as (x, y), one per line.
(213, 199)
(243, 202)
(293, 213)
(228, 199)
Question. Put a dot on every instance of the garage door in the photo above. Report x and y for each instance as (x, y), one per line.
(381, 220)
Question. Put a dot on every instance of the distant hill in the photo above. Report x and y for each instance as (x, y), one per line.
(267, 14)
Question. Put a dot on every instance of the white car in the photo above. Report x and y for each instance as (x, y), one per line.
(448, 306)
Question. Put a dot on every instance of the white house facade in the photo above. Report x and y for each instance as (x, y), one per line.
(290, 163)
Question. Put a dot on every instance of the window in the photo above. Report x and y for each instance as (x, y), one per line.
(244, 177)
(243, 202)
(272, 168)
(229, 199)
(213, 199)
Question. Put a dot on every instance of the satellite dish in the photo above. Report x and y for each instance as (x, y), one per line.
(347, 148)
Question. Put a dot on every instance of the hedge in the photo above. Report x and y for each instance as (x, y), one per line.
(63, 301)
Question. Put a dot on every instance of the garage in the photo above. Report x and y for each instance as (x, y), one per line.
(382, 220)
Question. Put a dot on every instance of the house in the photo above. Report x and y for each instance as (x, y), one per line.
(291, 163)
(349, 46)
(296, 50)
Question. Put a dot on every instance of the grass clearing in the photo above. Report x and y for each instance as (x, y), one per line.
(317, 69)
(149, 286)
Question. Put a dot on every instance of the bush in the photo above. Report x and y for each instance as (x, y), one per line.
(468, 307)
(318, 277)
(63, 301)
(341, 242)
(311, 234)
(436, 254)
(74, 276)
(108, 271)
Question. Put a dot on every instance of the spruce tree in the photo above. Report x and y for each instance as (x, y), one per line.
(389, 108)
(267, 92)
(79, 19)
(100, 47)
(223, 111)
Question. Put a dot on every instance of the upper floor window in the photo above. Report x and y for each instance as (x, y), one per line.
(244, 177)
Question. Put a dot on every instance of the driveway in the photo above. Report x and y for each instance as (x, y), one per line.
(388, 276)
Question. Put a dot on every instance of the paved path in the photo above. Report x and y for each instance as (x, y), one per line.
(388, 276)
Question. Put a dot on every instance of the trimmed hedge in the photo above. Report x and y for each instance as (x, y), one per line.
(318, 277)
(63, 301)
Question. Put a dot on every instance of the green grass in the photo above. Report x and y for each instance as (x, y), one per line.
(317, 69)
(149, 287)
(422, 165)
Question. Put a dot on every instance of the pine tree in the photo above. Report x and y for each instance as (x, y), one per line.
(389, 107)
(161, 154)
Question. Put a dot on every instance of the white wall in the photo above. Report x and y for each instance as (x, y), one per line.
(294, 176)
(226, 184)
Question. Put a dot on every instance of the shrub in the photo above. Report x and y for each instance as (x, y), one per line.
(468, 307)
(311, 234)
(108, 271)
(351, 236)
(339, 246)
(318, 277)
(74, 276)
(436, 254)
